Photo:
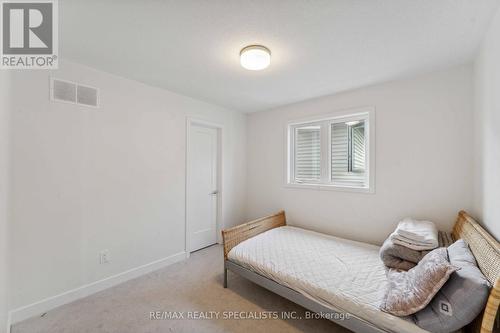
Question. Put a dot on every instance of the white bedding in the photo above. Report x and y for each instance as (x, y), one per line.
(340, 274)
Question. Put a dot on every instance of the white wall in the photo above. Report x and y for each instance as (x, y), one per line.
(423, 158)
(85, 179)
(487, 130)
(4, 191)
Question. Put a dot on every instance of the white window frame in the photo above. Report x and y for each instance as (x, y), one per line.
(365, 113)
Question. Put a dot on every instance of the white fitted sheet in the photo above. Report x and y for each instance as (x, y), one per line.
(341, 274)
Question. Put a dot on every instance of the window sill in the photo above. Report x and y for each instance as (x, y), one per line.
(324, 187)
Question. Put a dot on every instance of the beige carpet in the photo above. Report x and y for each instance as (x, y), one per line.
(192, 285)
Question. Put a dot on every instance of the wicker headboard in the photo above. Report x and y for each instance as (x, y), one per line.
(235, 235)
(486, 250)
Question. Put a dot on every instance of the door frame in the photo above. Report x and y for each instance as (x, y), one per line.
(190, 121)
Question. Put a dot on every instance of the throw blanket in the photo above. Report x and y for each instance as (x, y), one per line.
(416, 235)
(401, 257)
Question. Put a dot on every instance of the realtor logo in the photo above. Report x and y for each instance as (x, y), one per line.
(29, 34)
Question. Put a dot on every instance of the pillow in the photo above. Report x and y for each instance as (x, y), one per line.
(461, 299)
(411, 291)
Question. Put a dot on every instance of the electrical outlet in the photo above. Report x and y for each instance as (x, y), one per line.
(104, 257)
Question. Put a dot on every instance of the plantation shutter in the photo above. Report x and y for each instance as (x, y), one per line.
(307, 154)
(348, 154)
(358, 148)
(340, 150)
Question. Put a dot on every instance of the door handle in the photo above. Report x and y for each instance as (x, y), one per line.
(214, 192)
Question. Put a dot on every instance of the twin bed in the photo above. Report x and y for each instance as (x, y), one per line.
(341, 279)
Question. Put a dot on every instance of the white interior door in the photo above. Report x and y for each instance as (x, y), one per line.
(202, 188)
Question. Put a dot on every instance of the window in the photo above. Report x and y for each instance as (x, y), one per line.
(332, 152)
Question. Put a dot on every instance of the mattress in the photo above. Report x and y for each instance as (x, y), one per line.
(340, 274)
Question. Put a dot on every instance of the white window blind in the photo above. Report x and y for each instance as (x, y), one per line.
(358, 158)
(340, 151)
(348, 154)
(307, 153)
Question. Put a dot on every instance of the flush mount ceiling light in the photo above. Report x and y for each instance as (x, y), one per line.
(255, 57)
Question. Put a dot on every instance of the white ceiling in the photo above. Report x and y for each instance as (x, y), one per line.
(318, 47)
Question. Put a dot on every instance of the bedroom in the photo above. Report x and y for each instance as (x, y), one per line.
(125, 156)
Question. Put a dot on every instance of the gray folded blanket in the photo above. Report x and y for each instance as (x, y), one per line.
(404, 258)
(399, 256)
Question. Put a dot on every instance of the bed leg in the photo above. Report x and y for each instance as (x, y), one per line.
(225, 277)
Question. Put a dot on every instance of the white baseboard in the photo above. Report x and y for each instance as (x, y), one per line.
(50, 303)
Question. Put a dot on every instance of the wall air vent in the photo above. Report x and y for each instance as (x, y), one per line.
(63, 91)
(87, 96)
(74, 93)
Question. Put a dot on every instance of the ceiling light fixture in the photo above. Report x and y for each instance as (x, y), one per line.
(255, 57)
